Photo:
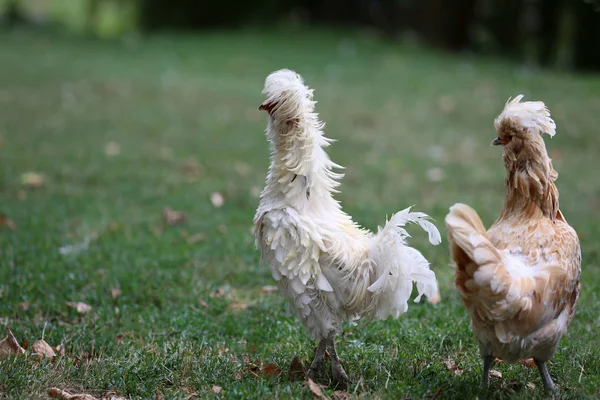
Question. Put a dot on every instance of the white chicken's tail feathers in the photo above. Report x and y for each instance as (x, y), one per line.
(287, 96)
(532, 115)
(397, 265)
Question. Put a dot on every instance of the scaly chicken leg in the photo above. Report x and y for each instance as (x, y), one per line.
(546, 379)
(318, 360)
(488, 361)
(339, 375)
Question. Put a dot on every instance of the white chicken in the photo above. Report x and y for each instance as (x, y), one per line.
(330, 269)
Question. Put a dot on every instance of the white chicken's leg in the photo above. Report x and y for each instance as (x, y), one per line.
(488, 361)
(339, 375)
(319, 355)
(546, 379)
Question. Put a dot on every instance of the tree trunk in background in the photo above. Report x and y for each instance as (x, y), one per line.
(549, 11)
(503, 23)
(14, 14)
(587, 36)
(447, 27)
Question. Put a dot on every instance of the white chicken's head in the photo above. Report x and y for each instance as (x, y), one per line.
(288, 99)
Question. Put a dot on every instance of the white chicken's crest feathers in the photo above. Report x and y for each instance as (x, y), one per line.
(286, 92)
(330, 269)
(527, 115)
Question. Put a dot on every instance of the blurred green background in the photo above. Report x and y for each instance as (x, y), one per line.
(133, 153)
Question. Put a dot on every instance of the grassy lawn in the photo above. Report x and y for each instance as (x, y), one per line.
(121, 130)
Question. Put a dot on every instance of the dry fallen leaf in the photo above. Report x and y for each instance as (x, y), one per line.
(216, 199)
(529, 363)
(114, 292)
(216, 389)
(119, 339)
(198, 237)
(172, 217)
(191, 168)
(60, 350)
(9, 345)
(42, 349)
(269, 289)
(316, 390)
(82, 308)
(112, 149)
(203, 304)
(238, 306)
(271, 370)
(435, 174)
(297, 371)
(57, 393)
(7, 222)
(453, 367)
(340, 395)
(32, 179)
(496, 374)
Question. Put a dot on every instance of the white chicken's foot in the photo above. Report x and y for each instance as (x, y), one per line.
(340, 378)
(488, 361)
(546, 379)
(318, 360)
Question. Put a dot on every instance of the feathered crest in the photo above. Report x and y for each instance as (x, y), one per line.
(287, 96)
(527, 115)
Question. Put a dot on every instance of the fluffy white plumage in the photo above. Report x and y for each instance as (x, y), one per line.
(331, 270)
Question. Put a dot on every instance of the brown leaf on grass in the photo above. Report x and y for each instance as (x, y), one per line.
(41, 349)
(112, 149)
(340, 395)
(32, 179)
(216, 199)
(529, 363)
(190, 168)
(60, 350)
(172, 217)
(10, 346)
(453, 367)
(80, 307)
(198, 237)
(297, 370)
(218, 293)
(238, 306)
(60, 394)
(496, 374)
(190, 392)
(316, 390)
(216, 389)
(203, 304)
(114, 292)
(269, 289)
(7, 222)
(119, 339)
(24, 344)
(271, 371)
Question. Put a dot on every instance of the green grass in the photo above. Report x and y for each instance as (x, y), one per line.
(397, 112)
